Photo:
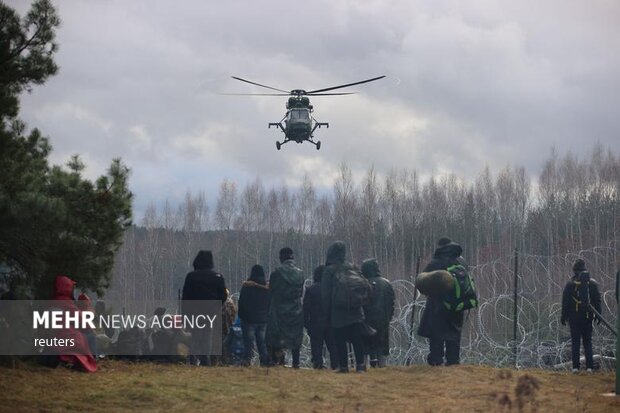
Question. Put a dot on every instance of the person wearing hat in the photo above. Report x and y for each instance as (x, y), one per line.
(441, 326)
(581, 294)
(202, 284)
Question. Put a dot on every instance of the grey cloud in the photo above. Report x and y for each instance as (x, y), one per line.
(485, 82)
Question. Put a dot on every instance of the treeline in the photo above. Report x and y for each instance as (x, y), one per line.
(572, 205)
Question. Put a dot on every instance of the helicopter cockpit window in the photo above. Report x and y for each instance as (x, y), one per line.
(299, 115)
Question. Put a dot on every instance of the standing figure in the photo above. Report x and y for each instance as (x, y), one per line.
(346, 320)
(580, 295)
(204, 283)
(378, 313)
(441, 326)
(254, 300)
(315, 321)
(229, 315)
(285, 327)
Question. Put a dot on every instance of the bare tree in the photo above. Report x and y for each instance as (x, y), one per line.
(344, 205)
(226, 207)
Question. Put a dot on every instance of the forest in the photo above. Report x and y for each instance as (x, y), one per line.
(570, 210)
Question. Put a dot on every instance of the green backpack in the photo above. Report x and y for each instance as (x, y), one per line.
(463, 297)
(351, 289)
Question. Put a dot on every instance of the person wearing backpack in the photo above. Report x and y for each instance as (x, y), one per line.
(254, 300)
(285, 327)
(315, 321)
(344, 291)
(580, 295)
(442, 326)
(379, 313)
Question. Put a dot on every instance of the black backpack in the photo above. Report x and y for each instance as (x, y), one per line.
(351, 289)
(581, 293)
(463, 296)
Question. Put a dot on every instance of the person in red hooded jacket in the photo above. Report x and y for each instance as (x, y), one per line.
(79, 354)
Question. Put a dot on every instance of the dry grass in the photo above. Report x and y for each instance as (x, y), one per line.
(120, 386)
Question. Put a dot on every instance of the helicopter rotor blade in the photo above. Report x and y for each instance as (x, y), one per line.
(331, 94)
(347, 85)
(258, 84)
(255, 94)
(286, 94)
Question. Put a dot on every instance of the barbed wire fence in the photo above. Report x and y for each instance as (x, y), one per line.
(487, 336)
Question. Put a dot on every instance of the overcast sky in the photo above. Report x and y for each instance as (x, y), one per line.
(468, 84)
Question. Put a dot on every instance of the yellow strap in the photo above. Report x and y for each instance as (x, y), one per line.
(577, 302)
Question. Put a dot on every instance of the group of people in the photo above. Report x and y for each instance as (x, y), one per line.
(274, 313)
(343, 305)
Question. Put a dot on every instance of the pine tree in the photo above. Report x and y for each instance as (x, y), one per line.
(52, 220)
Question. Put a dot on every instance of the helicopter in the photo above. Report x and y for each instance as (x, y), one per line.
(298, 124)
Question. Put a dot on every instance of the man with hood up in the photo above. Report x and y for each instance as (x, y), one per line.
(346, 322)
(254, 300)
(441, 326)
(285, 327)
(580, 295)
(378, 313)
(204, 283)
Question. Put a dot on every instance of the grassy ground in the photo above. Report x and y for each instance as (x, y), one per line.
(120, 386)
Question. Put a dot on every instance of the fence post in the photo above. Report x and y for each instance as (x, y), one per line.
(618, 330)
(415, 294)
(179, 301)
(515, 307)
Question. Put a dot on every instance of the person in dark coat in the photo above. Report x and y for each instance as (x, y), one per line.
(315, 321)
(285, 327)
(204, 283)
(254, 300)
(441, 326)
(378, 313)
(345, 322)
(580, 294)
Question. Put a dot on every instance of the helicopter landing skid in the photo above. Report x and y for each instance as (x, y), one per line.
(317, 144)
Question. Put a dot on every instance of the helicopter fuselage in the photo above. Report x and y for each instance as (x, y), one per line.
(298, 119)
(299, 125)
